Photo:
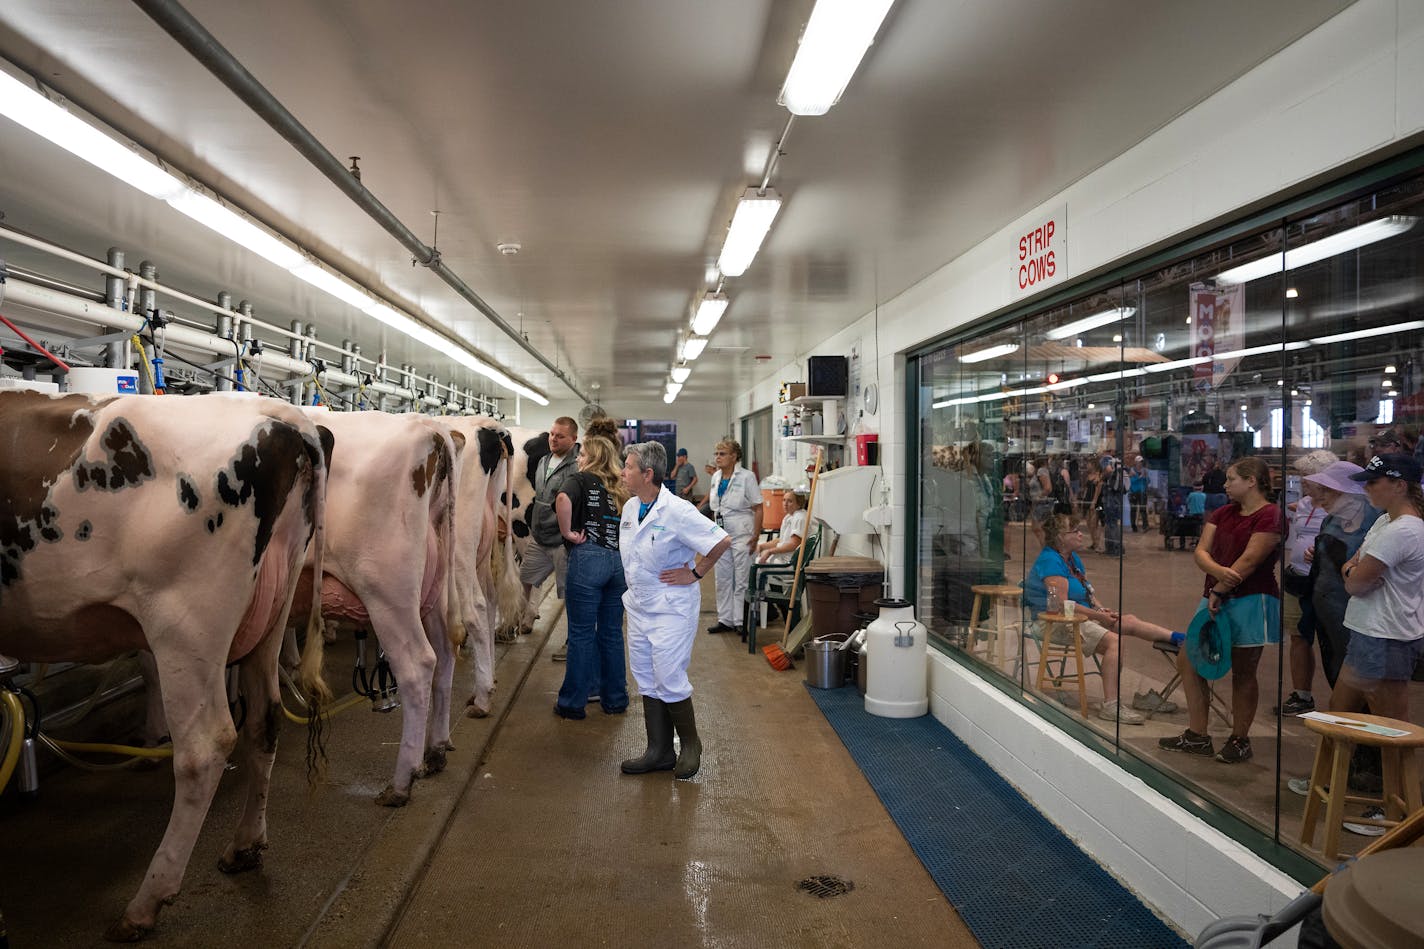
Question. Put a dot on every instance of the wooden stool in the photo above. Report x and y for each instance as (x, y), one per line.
(1000, 598)
(1329, 777)
(1073, 649)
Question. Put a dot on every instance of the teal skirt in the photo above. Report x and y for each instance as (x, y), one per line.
(1251, 620)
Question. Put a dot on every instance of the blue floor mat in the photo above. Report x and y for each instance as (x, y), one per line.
(1015, 879)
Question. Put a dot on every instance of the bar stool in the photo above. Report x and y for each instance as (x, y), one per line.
(1328, 779)
(1001, 600)
(1072, 649)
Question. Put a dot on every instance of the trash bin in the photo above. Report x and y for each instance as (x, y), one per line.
(839, 588)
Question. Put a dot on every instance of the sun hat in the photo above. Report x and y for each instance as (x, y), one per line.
(1400, 466)
(1208, 644)
(1339, 477)
(1315, 461)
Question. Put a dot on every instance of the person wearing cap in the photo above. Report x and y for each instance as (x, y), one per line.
(684, 476)
(1385, 580)
(1296, 608)
(1239, 547)
(1348, 518)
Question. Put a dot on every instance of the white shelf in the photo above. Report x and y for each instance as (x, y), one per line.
(815, 400)
(824, 439)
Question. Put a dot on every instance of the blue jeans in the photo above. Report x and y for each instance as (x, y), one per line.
(593, 605)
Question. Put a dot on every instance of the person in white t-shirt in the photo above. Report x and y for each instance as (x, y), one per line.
(782, 549)
(1385, 580)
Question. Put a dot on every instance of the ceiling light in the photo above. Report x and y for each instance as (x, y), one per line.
(752, 220)
(832, 46)
(1117, 337)
(993, 352)
(709, 313)
(1389, 369)
(673, 388)
(1386, 383)
(692, 347)
(1343, 242)
(680, 373)
(217, 217)
(27, 106)
(1365, 334)
(1090, 322)
(1292, 293)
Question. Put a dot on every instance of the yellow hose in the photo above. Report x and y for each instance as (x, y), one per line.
(350, 701)
(15, 720)
(133, 751)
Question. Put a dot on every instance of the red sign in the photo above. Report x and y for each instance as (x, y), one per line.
(1040, 256)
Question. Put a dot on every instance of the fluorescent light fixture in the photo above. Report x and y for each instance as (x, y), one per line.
(1366, 334)
(1090, 322)
(752, 220)
(1343, 242)
(836, 38)
(993, 352)
(709, 313)
(1390, 368)
(673, 388)
(214, 215)
(680, 374)
(323, 279)
(692, 347)
(27, 106)
(1292, 293)
(668, 397)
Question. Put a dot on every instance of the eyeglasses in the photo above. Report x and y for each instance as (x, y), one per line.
(721, 453)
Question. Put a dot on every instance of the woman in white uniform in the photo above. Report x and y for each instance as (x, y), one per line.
(658, 538)
(735, 499)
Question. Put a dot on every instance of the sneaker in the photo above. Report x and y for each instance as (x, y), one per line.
(573, 714)
(562, 653)
(1299, 786)
(1368, 830)
(720, 627)
(1152, 701)
(593, 697)
(1188, 742)
(1295, 705)
(1234, 750)
(1114, 712)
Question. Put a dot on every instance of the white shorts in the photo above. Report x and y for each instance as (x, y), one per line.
(1092, 633)
(540, 561)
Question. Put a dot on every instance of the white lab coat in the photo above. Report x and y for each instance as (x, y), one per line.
(734, 511)
(662, 617)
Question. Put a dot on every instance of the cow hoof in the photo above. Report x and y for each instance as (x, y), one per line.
(434, 760)
(447, 745)
(249, 858)
(126, 931)
(475, 709)
(390, 797)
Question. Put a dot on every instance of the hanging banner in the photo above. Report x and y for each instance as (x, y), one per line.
(1218, 326)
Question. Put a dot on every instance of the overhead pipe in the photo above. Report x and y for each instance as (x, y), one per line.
(204, 47)
(36, 297)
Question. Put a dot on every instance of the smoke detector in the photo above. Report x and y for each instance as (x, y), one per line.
(508, 248)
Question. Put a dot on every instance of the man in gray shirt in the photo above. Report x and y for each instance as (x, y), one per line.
(684, 476)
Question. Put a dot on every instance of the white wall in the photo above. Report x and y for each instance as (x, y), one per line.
(1351, 89)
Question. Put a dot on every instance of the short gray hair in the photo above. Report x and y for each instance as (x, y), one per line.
(651, 455)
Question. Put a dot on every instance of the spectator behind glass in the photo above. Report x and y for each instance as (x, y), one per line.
(1239, 547)
(1348, 519)
(1306, 516)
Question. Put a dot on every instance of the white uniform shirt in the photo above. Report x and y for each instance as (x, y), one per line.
(1395, 608)
(795, 523)
(669, 537)
(743, 493)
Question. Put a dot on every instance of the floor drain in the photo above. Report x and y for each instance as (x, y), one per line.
(824, 887)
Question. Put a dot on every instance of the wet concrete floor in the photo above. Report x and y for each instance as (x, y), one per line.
(532, 837)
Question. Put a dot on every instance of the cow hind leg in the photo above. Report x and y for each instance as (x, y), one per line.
(257, 751)
(403, 638)
(195, 700)
(437, 742)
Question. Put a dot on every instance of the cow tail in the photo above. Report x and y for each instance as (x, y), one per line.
(309, 672)
(454, 618)
(510, 597)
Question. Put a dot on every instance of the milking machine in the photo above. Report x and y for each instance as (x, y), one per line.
(380, 687)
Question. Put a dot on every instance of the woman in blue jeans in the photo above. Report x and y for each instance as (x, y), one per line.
(589, 507)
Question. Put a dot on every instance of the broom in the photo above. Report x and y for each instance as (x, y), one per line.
(775, 653)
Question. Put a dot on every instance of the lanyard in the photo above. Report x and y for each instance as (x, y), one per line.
(644, 507)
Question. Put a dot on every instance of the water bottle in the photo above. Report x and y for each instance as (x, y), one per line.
(1055, 604)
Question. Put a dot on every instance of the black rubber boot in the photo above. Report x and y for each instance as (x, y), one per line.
(660, 755)
(685, 721)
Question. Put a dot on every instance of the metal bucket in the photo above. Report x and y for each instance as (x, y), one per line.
(825, 663)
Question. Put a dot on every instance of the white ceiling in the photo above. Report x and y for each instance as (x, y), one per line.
(611, 140)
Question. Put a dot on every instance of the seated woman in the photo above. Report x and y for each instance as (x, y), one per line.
(1059, 571)
(782, 549)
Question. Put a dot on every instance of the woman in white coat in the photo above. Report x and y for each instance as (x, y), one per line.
(659, 537)
(735, 499)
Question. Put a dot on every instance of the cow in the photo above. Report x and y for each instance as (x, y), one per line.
(483, 482)
(391, 502)
(177, 525)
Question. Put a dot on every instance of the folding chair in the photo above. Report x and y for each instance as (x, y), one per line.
(771, 583)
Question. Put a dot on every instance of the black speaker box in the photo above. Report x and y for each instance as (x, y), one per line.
(827, 377)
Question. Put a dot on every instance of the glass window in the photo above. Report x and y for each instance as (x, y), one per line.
(1120, 456)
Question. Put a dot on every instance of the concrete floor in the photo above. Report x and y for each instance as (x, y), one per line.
(532, 837)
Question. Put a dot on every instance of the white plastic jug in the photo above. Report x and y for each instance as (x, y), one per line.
(896, 644)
